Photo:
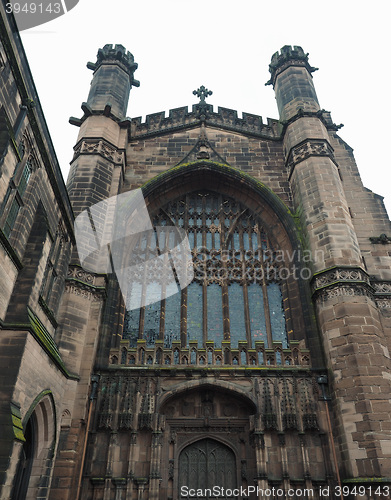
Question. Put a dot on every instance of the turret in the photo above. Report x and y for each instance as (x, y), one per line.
(112, 81)
(97, 170)
(311, 163)
(102, 139)
(347, 313)
(292, 82)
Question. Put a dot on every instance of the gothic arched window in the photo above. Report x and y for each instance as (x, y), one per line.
(236, 293)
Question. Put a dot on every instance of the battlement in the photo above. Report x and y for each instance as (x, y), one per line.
(280, 60)
(224, 118)
(114, 54)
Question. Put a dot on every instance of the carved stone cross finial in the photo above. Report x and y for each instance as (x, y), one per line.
(202, 93)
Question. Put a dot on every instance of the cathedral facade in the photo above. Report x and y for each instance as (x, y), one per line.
(267, 375)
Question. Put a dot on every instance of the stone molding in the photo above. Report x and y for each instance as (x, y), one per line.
(382, 294)
(101, 147)
(193, 357)
(345, 281)
(341, 281)
(382, 287)
(306, 149)
(85, 284)
(384, 303)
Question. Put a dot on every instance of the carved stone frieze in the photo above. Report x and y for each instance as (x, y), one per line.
(84, 291)
(80, 274)
(334, 275)
(307, 148)
(382, 287)
(340, 281)
(384, 303)
(85, 284)
(100, 147)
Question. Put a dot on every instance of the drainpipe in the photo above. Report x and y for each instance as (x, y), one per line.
(94, 386)
(323, 381)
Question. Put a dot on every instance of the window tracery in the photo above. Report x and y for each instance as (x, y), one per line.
(236, 294)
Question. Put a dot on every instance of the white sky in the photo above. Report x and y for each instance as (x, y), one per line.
(225, 45)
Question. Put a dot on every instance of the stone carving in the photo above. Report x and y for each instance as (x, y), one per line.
(384, 303)
(100, 147)
(339, 282)
(339, 275)
(382, 287)
(83, 291)
(383, 239)
(79, 274)
(310, 147)
(275, 356)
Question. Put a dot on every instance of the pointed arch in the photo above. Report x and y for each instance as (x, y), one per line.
(37, 454)
(206, 174)
(223, 386)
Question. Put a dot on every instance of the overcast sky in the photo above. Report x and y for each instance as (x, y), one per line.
(227, 46)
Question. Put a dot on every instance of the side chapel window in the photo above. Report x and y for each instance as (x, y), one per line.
(235, 294)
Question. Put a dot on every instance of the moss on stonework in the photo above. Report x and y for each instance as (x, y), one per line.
(47, 342)
(360, 480)
(17, 425)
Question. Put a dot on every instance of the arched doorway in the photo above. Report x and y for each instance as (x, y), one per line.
(35, 462)
(23, 472)
(206, 464)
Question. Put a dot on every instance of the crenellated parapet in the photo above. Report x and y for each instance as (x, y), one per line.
(115, 54)
(224, 118)
(288, 56)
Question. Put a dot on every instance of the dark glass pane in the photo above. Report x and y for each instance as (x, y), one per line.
(194, 313)
(277, 316)
(254, 238)
(217, 241)
(172, 319)
(131, 326)
(236, 314)
(246, 244)
(151, 323)
(209, 241)
(215, 314)
(257, 313)
(11, 219)
(191, 239)
(24, 179)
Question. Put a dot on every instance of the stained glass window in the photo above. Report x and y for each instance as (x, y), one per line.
(194, 313)
(233, 296)
(237, 324)
(215, 314)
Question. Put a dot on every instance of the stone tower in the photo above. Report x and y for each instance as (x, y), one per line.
(96, 174)
(171, 387)
(329, 201)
